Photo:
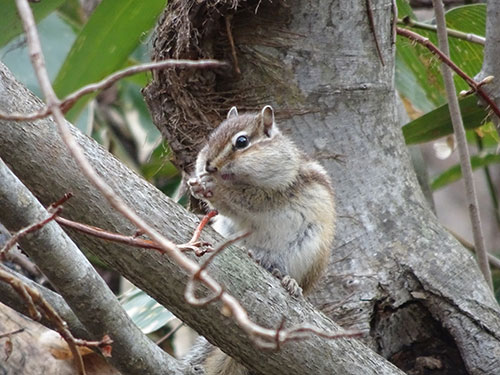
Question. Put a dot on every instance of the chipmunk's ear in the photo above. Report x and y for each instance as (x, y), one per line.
(267, 116)
(233, 112)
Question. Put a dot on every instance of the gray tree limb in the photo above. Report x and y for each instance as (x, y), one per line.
(12, 299)
(395, 272)
(76, 279)
(36, 154)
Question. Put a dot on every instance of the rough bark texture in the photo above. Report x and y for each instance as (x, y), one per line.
(395, 272)
(12, 299)
(77, 280)
(28, 356)
(37, 156)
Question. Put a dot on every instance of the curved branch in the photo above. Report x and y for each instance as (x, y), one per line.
(158, 275)
(75, 278)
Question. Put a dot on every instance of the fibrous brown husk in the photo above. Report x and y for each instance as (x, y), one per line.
(186, 105)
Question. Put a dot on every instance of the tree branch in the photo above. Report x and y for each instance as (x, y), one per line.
(71, 99)
(158, 275)
(76, 279)
(39, 307)
(475, 86)
(463, 148)
(13, 300)
(473, 38)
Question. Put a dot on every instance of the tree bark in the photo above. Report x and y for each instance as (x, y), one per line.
(28, 356)
(36, 154)
(395, 273)
(76, 279)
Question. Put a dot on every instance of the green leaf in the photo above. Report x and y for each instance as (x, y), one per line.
(144, 311)
(73, 14)
(111, 34)
(11, 25)
(404, 9)
(437, 123)
(418, 75)
(454, 173)
(56, 38)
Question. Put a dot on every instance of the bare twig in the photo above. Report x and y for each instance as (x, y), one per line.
(463, 149)
(36, 306)
(189, 292)
(194, 244)
(69, 100)
(60, 202)
(371, 22)
(109, 236)
(11, 333)
(231, 43)
(23, 232)
(171, 249)
(198, 247)
(475, 86)
(494, 261)
(104, 345)
(473, 38)
(170, 333)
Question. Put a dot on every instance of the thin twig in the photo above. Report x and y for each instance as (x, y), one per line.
(60, 202)
(371, 22)
(463, 149)
(3, 335)
(475, 86)
(171, 249)
(494, 261)
(69, 100)
(170, 333)
(104, 345)
(198, 247)
(109, 236)
(231, 43)
(23, 232)
(36, 306)
(189, 292)
(473, 38)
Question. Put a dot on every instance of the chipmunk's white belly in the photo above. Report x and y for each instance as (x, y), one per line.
(281, 238)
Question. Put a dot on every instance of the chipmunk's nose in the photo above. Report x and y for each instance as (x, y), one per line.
(209, 168)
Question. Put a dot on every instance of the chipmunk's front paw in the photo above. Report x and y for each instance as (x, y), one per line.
(289, 283)
(202, 187)
(291, 286)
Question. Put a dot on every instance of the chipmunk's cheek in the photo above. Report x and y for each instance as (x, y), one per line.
(226, 172)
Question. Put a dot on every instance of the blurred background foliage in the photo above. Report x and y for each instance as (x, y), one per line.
(85, 40)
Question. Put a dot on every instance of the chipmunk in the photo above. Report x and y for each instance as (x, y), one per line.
(261, 183)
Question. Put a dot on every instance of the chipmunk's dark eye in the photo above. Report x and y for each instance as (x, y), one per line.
(241, 142)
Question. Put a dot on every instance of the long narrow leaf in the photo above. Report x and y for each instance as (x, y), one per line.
(11, 25)
(437, 123)
(111, 34)
(418, 76)
(454, 173)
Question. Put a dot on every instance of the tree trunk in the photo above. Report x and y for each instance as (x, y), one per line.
(395, 273)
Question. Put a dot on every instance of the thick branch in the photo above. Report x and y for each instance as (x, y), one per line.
(156, 274)
(75, 278)
(13, 300)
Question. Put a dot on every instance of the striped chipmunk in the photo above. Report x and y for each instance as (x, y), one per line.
(261, 183)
